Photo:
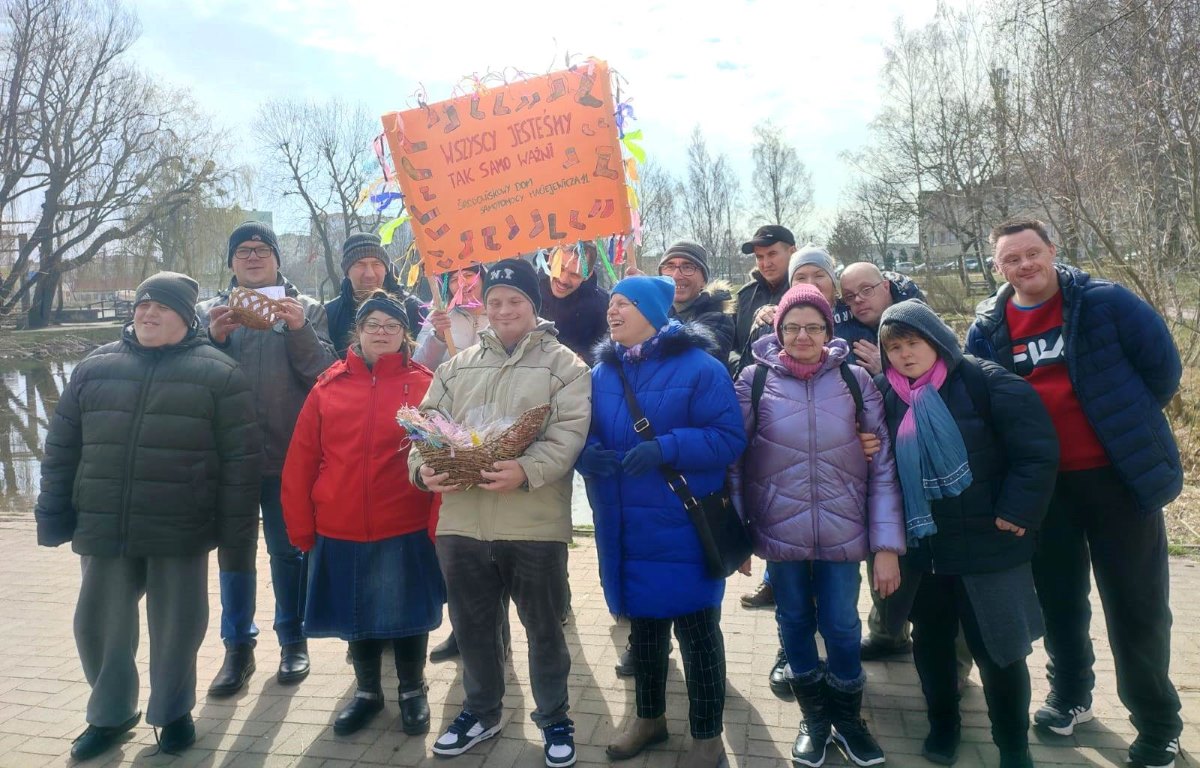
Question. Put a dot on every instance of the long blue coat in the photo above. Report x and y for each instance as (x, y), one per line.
(651, 564)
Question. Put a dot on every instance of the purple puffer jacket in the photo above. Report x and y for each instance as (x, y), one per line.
(803, 484)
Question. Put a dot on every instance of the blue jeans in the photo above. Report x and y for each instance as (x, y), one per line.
(289, 576)
(817, 594)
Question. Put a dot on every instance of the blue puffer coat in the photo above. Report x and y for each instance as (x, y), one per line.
(651, 565)
(1124, 368)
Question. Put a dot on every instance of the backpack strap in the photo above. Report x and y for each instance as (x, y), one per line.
(756, 390)
(974, 378)
(855, 392)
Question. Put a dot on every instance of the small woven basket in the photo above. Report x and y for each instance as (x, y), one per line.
(465, 464)
(253, 309)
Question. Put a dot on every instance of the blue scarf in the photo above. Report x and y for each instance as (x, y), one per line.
(931, 457)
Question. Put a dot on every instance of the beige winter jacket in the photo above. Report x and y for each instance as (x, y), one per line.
(540, 370)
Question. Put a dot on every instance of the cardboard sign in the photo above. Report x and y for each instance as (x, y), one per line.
(512, 170)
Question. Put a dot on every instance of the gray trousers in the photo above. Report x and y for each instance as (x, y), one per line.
(106, 634)
(534, 573)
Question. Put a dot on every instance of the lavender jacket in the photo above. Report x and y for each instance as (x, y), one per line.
(803, 485)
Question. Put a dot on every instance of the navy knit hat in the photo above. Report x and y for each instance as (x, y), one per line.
(382, 301)
(917, 315)
(171, 289)
(517, 274)
(252, 231)
(362, 245)
(685, 249)
(652, 296)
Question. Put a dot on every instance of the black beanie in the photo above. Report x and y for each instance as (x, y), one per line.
(171, 289)
(252, 231)
(685, 249)
(517, 274)
(386, 303)
(362, 245)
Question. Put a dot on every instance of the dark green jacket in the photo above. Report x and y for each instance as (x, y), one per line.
(153, 453)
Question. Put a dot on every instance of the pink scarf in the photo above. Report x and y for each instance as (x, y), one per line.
(802, 371)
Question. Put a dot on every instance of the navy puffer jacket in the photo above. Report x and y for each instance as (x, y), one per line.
(850, 329)
(1124, 368)
(651, 564)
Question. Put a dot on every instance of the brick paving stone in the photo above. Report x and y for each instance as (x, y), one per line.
(43, 694)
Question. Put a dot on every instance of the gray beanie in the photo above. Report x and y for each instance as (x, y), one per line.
(811, 254)
(686, 249)
(363, 245)
(171, 289)
(917, 315)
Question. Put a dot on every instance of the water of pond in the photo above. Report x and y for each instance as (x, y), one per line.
(28, 393)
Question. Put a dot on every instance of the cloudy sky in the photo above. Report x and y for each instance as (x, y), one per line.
(811, 67)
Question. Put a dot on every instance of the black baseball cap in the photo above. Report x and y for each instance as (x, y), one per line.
(769, 235)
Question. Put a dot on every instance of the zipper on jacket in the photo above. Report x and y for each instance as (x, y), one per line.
(812, 462)
(132, 447)
(367, 462)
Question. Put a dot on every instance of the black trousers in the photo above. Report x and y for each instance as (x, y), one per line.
(703, 649)
(1093, 525)
(941, 605)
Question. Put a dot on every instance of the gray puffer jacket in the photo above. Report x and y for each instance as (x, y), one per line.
(281, 366)
(804, 484)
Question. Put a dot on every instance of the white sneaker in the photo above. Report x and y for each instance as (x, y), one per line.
(465, 732)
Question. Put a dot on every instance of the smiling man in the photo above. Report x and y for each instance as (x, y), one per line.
(366, 268)
(574, 301)
(1105, 365)
(697, 301)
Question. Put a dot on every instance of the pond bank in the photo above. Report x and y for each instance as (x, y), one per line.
(60, 342)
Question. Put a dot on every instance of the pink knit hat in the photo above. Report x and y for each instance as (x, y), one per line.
(800, 295)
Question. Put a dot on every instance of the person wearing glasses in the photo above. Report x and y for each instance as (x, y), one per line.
(281, 363)
(866, 292)
(697, 300)
(816, 507)
(373, 577)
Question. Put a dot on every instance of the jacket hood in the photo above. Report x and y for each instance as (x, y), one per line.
(902, 287)
(676, 339)
(717, 296)
(488, 337)
(766, 351)
(990, 312)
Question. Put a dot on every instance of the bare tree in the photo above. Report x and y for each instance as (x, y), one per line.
(848, 239)
(883, 212)
(102, 150)
(709, 204)
(320, 155)
(659, 196)
(781, 182)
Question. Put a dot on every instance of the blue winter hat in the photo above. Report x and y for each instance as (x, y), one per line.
(652, 296)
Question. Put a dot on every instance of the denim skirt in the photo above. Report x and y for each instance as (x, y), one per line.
(374, 590)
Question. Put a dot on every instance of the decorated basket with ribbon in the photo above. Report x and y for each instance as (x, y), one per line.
(253, 309)
(464, 452)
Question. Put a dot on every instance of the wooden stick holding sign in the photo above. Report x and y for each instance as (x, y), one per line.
(436, 289)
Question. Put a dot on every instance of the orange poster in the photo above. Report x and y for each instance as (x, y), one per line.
(512, 170)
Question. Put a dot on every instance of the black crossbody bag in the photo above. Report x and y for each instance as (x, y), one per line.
(723, 537)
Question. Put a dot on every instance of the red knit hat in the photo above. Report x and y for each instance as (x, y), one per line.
(801, 295)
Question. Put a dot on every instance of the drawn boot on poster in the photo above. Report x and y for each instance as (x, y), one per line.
(434, 119)
(414, 173)
(538, 225)
(603, 156)
(439, 233)
(527, 102)
(558, 88)
(424, 218)
(427, 195)
(554, 233)
(602, 208)
(476, 112)
(468, 248)
(452, 120)
(513, 229)
(498, 107)
(489, 239)
(572, 158)
(575, 220)
(584, 94)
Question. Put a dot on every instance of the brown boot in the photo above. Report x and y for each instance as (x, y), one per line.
(763, 597)
(641, 733)
(705, 753)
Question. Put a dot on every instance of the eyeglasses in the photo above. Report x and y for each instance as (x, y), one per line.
(391, 329)
(864, 294)
(687, 269)
(812, 329)
(259, 252)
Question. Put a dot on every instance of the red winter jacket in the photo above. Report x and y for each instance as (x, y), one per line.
(346, 472)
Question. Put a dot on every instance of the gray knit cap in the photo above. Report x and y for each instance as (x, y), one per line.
(811, 254)
(917, 315)
(686, 249)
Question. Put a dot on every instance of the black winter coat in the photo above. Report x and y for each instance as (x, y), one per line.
(1013, 453)
(580, 318)
(712, 309)
(341, 309)
(750, 297)
(153, 453)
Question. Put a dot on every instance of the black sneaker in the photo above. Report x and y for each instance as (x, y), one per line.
(98, 739)
(465, 732)
(1061, 717)
(560, 743)
(778, 680)
(177, 735)
(1153, 753)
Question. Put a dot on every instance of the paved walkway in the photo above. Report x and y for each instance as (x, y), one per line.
(43, 694)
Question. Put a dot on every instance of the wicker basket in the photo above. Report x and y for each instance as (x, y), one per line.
(253, 309)
(465, 464)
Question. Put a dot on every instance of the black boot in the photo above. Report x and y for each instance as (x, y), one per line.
(368, 699)
(941, 745)
(293, 663)
(781, 686)
(447, 649)
(815, 732)
(410, 670)
(849, 729)
(235, 671)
